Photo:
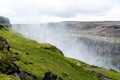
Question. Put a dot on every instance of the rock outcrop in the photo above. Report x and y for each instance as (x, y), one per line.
(4, 22)
(51, 76)
(8, 62)
(4, 44)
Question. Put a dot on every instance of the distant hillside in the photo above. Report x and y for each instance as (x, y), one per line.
(99, 28)
(103, 28)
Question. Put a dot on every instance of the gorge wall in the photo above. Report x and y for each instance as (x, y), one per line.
(103, 38)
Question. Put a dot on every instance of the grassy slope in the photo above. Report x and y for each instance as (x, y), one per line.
(49, 60)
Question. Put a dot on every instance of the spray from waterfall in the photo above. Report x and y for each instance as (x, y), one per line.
(60, 37)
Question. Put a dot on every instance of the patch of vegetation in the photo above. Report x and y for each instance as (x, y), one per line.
(6, 77)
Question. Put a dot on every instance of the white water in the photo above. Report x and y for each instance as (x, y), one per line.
(60, 37)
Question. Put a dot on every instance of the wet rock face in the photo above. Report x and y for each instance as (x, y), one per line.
(109, 51)
(102, 47)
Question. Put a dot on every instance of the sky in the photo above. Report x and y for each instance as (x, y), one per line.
(43, 11)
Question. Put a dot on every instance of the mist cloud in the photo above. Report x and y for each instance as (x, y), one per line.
(60, 37)
(40, 11)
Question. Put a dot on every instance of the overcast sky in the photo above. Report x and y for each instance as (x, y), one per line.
(40, 11)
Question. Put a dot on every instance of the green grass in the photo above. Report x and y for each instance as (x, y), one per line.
(46, 58)
(6, 77)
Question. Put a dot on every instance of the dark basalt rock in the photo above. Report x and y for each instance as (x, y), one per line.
(27, 53)
(60, 78)
(50, 76)
(17, 53)
(4, 44)
(17, 72)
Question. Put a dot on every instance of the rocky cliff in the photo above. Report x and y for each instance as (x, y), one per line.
(4, 22)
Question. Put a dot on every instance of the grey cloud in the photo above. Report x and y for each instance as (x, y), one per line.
(58, 9)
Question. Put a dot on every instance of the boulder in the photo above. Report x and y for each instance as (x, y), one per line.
(50, 76)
